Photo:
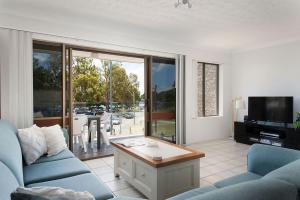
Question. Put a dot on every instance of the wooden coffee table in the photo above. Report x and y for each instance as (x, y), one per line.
(177, 172)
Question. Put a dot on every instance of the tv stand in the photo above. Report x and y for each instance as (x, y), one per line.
(267, 133)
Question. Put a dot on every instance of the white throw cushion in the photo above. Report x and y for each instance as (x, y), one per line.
(33, 143)
(55, 139)
(55, 193)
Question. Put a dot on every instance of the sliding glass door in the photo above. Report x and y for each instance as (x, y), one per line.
(163, 98)
(132, 94)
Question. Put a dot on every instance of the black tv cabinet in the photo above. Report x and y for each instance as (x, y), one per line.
(251, 132)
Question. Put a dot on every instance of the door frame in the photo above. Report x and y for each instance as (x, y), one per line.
(66, 48)
(147, 85)
(152, 115)
(67, 63)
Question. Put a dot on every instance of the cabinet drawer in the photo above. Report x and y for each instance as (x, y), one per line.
(144, 177)
(124, 164)
(142, 174)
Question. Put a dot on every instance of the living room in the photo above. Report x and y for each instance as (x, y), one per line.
(240, 49)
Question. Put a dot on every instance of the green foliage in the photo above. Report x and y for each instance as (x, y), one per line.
(297, 122)
(86, 84)
(92, 85)
(167, 98)
(47, 75)
(123, 90)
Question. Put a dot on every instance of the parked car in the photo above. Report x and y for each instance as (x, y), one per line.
(113, 110)
(128, 115)
(141, 105)
(116, 120)
(98, 111)
(83, 110)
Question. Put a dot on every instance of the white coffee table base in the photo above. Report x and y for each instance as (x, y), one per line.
(157, 183)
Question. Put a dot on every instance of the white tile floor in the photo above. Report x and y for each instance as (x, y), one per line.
(224, 158)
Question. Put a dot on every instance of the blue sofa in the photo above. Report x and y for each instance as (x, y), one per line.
(273, 174)
(62, 170)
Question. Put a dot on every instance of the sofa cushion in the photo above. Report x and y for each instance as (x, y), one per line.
(8, 182)
(84, 182)
(47, 171)
(60, 156)
(193, 192)
(20, 196)
(52, 193)
(289, 173)
(248, 176)
(56, 142)
(10, 150)
(263, 159)
(33, 143)
(262, 189)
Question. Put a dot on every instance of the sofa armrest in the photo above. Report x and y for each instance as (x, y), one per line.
(66, 135)
(263, 159)
(271, 189)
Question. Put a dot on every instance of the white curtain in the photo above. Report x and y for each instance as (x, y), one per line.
(180, 100)
(16, 77)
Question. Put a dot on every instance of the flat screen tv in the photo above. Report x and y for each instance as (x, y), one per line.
(271, 109)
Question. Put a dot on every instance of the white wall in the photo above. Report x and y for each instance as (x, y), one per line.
(197, 129)
(209, 128)
(272, 71)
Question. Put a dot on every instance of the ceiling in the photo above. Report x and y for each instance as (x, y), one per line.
(217, 24)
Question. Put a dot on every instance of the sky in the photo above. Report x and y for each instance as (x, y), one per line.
(163, 76)
(138, 69)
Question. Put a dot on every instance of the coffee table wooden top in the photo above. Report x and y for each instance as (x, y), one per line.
(171, 153)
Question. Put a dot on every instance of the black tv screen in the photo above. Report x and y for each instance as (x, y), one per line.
(272, 109)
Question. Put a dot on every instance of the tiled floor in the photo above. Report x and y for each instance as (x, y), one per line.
(224, 158)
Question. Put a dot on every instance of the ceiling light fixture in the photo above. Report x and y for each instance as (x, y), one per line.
(183, 2)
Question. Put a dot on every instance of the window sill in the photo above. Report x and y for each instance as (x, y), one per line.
(210, 117)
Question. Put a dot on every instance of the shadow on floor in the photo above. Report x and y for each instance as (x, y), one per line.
(105, 150)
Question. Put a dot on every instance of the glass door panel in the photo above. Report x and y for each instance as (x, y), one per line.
(47, 83)
(111, 86)
(107, 87)
(127, 89)
(163, 98)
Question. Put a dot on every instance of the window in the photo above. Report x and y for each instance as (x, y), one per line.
(163, 113)
(208, 89)
(163, 85)
(47, 80)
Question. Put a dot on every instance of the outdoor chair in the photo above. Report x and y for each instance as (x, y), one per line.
(79, 130)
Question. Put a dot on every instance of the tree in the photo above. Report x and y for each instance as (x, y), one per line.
(122, 88)
(47, 75)
(92, 84)
(86, 83)
(133, 78)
